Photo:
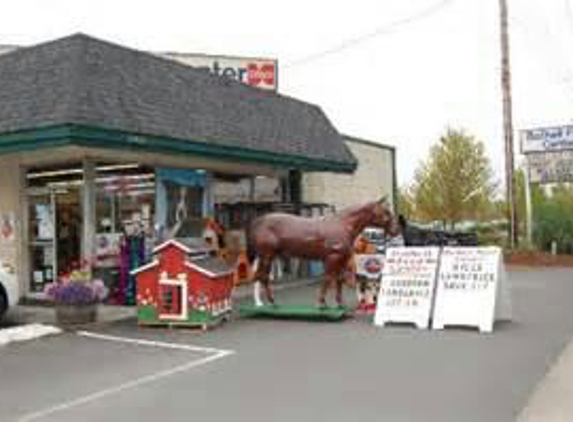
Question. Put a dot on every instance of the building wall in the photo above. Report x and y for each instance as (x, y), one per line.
(374, 178)
(11, 186)
(266, 189)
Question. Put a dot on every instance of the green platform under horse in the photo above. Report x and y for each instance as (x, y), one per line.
(299, 312)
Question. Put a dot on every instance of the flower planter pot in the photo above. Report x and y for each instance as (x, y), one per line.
(75, 314)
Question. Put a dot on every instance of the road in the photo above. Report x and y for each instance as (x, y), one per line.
(263, 370)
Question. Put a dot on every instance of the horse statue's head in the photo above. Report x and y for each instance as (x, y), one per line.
(385, 219)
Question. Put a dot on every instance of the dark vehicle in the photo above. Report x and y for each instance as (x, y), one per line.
(8, 292)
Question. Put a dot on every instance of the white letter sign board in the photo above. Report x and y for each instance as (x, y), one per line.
(407, 286)
(472, 289)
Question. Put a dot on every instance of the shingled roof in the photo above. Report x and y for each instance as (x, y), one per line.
(146, 101)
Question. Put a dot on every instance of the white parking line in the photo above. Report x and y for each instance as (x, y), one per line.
(143, 342)
(215, 354)
(26, 332)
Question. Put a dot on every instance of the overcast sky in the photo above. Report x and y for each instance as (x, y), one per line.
(393, 71)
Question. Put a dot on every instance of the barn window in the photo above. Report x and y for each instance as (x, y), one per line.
(167, 300)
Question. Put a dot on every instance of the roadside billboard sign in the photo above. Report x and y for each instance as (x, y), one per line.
(556, 138)
(550, 167)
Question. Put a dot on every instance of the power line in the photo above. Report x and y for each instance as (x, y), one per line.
(383, 30)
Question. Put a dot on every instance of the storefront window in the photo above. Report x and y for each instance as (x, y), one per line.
(181, 205)
(135, 208)
(125, 202)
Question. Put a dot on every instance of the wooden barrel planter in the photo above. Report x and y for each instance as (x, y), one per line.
(67, 315)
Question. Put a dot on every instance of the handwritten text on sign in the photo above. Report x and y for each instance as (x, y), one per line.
(407, 286)
(467, 287)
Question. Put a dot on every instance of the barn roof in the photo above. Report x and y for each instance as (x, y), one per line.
(191, 246)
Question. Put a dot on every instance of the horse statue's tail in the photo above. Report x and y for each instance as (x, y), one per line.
(251, 250)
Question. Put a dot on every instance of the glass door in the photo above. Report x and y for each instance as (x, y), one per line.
(42, 236)
(69, 229)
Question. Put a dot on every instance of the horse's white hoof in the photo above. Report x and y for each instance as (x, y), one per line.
(257, 294)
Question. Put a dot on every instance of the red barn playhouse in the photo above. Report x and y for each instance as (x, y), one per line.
(184, 285)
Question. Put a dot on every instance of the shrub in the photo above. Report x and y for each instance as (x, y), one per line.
(554, 223)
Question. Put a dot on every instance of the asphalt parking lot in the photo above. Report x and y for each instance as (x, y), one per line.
(263, 370)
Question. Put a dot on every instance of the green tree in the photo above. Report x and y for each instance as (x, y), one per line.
(553, 219)
(406, 203)
(455, 183)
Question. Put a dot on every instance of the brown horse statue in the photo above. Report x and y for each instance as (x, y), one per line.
(327, 239)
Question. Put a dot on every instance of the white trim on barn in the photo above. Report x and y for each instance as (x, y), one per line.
(181, 282)
(146, 267)
(190, 264)
(174, 243)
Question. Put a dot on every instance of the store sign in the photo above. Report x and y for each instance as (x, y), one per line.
(550, 167)
(557, 138)
(369, 265)
(472, 289)
(260, 73)
(407, 286)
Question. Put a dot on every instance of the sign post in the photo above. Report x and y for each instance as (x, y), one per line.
(528, 208)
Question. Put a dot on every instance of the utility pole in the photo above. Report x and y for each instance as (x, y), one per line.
(508, 126)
